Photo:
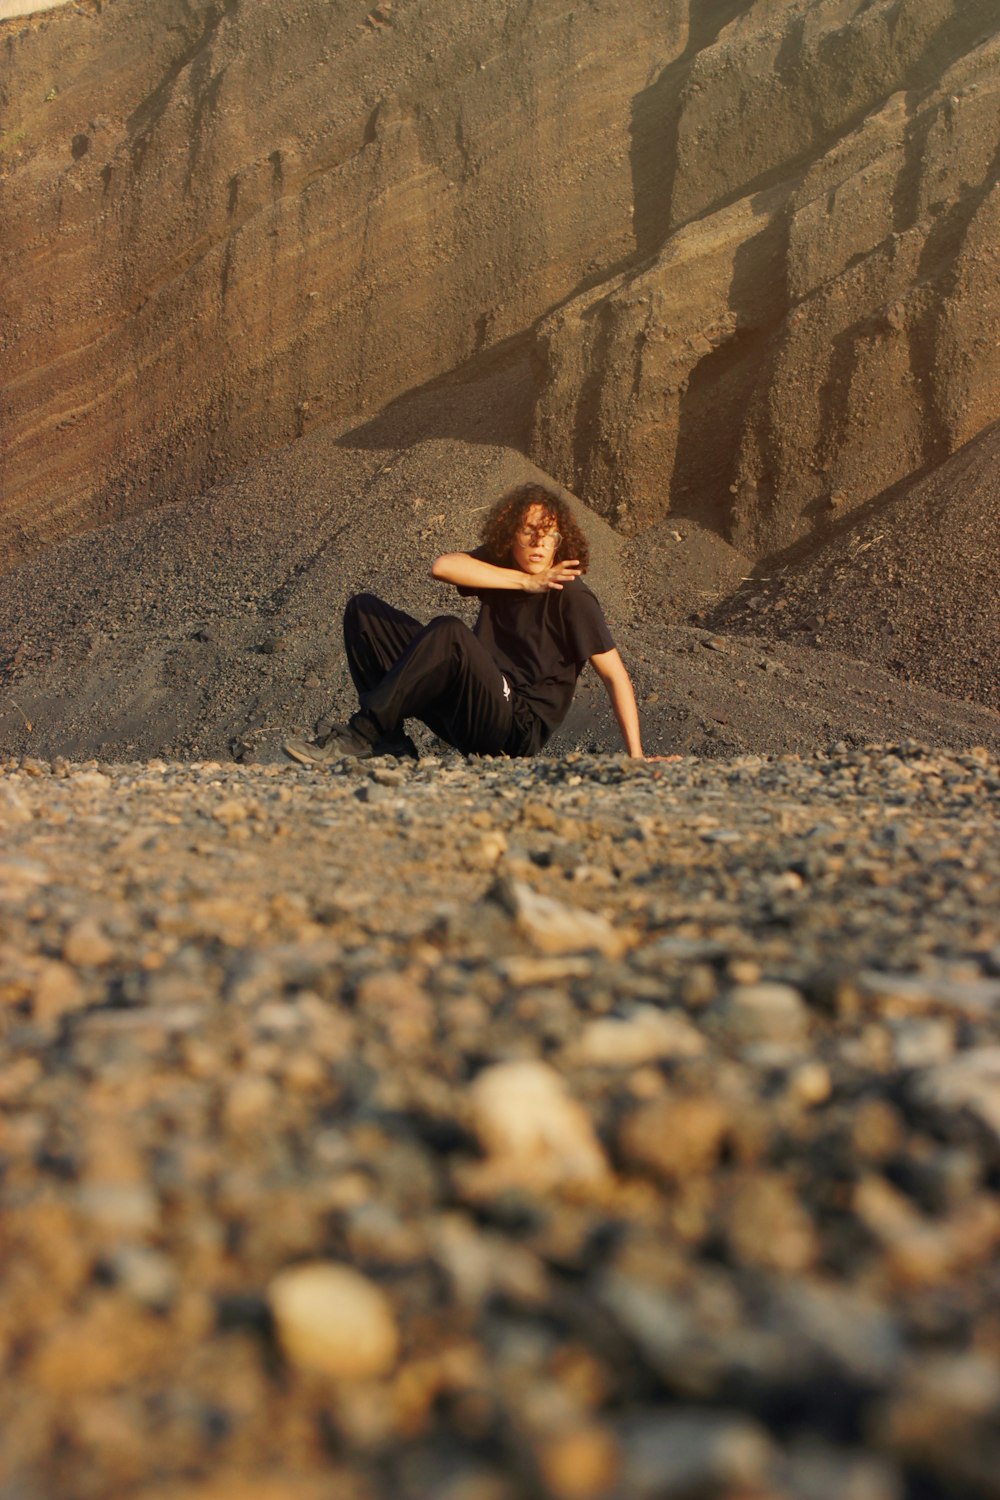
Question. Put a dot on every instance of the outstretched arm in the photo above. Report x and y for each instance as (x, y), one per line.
(468, 572)
(618, 684)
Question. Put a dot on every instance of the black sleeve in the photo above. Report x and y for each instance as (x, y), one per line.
(587, 632)
(482, 555)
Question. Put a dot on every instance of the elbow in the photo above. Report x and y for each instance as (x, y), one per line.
(439, 568)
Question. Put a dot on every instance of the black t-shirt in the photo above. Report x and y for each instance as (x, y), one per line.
(541, 642)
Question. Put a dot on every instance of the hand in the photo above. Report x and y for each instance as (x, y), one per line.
(554, 577)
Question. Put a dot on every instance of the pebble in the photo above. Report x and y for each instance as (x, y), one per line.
(608, 1158)
(333, 1321)
(670, 1453)
(764, 1012)
(677, 1137)
(645, 1034)
(531, 1127)
(86, 944)
(553, 927)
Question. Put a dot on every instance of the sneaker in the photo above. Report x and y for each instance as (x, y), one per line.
(343, 740)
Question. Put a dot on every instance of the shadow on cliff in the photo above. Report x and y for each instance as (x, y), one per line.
(488, 401)
(721, 386)
(656, 113)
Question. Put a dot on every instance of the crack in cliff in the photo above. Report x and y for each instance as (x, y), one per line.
(656, 115)
(147, 115)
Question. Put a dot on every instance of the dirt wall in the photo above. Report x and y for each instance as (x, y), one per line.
(222, 223)
(823, 317)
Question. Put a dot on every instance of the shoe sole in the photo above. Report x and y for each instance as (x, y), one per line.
(306, 754)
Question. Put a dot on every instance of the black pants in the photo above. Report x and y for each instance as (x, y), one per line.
(438, 673)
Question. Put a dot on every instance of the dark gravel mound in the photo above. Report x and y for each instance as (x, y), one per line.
(909, 583)
(213, 627)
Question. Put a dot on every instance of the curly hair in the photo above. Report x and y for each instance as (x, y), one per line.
(507, 515)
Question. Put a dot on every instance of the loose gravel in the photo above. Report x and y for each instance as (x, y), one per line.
(581, 1128)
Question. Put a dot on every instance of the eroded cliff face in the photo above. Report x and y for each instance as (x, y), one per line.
(752, 243)
(225, 221)
(823, 317)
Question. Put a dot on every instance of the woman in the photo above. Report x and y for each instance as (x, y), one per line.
(504, 686)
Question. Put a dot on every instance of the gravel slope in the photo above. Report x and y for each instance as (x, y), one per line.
(911, 584)
(213, 627)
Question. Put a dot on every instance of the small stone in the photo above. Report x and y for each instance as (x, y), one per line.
(524, 970)
(90, 781)
(400, 1005)
(58, 991)
(923, 1043)
(20, 877)
(530, 1125)
(971, 1082)
(87, 945)
(230, 811)
(767, 1226)
(249, 1101)
(877, 1130)
(14, 810)
(332, 1320)
(810, 1084)
(675, 1138)
(579, 1463)
(120, 1208)
(147, 1275)
(764, 1012)
(643, 1036)
(553, 927)
(692, 1452)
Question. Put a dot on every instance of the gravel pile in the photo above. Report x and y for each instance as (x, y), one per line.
(213, 628)
(909, 582)
(579, 1129)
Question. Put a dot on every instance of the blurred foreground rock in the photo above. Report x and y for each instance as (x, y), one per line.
(323, 1174)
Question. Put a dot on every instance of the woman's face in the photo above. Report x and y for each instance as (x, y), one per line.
(536, 540)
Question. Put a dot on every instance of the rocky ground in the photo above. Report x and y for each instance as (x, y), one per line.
(583, 1128)
(908, 583)
(212, 628)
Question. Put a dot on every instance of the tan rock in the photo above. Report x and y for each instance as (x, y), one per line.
(86, 944)
(676, 1137)
(250, 1101)
(58, 991)
(527, 1121)
(579, 1463)
(766, 1225)
(645, 1035)
(764, 1012)
(333, 1321)
(552, 927)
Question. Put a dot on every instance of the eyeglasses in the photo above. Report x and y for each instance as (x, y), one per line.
(537, 536)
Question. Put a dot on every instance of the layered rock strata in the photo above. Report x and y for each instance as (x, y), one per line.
(223, 223)
(823, 317)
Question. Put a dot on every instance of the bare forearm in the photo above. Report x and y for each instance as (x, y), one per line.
(464, 571)
(618, 685)
(623, 702)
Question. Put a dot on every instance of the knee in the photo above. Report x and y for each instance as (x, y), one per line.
(448, 626)
(359, 605)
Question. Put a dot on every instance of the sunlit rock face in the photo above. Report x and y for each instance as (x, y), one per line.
(224, 222)
(751, 244)
(823, 315)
